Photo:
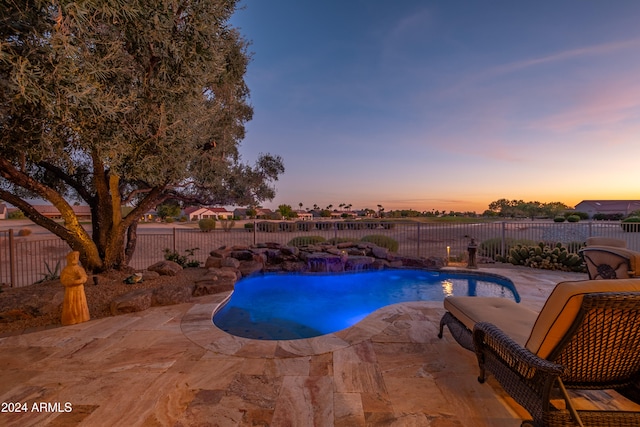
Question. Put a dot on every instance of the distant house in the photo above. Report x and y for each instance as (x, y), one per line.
(196, 213)
(221, 213)
(608, 207)
(50, 211)
(304, 215)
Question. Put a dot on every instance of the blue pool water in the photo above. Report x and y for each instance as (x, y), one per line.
(296, 305)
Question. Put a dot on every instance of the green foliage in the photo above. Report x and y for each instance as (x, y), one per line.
(305, 241)
(168, 210)
(573, 218)
(631, 224)
(382, 241)
(207, 224)
(184, 261)
(491, 247)
(287, 211)
(546, 257)
(169, 220)
(51, 274)
(139, 101)
(559, 218)
(16, 215)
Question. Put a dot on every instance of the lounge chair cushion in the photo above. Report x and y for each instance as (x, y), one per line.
(561, 308)
(606, 241)
(513, 318)
(611, 255)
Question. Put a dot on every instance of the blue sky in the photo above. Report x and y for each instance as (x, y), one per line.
(445, 105)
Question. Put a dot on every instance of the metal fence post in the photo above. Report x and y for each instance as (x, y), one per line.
(255, 233)
(503, 238)
(174, 240)
(418, 248)
(12, 261)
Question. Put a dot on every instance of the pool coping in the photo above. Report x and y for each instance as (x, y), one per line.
(198, 327)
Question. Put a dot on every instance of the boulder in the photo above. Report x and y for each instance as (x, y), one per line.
(247, 268)
(230, 262)
(166, 268)
(171, 294)
(213, 262)
(131, 302)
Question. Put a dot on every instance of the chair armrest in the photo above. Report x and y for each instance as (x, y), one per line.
(488, 337)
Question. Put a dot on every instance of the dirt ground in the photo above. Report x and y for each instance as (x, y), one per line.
(39, 306)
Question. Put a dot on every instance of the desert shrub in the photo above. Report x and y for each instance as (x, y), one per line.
(608, 217)
(24, 232)
(248, 226)
(169, 220)
(267, 227)
(305, 241)
(183, 260)
(490, 248)
(227, 224)
(207, 224)
(582, 215)
(631, 224)
(382, 241)
(183, 219)
(559, 219)
(546, 257)
(574, 247)
(573, 218)
(51, 274)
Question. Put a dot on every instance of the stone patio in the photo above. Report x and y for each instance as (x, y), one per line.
(169, 366)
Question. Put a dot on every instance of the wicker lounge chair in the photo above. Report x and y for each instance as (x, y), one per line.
(607, 258)
(587, 337)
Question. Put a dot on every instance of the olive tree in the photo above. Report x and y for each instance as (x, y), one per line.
(123, 103)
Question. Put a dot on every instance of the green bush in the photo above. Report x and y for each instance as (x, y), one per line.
(16, 215)
(182, 260)
(559, 219)
(305, 241)
(248, 226)
(169, 220)
(631, 224)
(382, 241)
(573, 218)
(207, 224)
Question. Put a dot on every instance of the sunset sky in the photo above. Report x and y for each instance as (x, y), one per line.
(445, 105)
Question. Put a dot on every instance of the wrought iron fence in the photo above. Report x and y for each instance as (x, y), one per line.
(24, 261)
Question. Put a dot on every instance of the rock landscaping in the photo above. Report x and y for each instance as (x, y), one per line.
(167, 282)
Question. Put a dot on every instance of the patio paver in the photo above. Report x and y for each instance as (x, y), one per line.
(171, 366)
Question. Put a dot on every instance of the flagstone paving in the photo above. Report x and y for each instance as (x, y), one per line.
(169, 366)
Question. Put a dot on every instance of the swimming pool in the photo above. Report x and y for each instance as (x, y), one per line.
(297, 305)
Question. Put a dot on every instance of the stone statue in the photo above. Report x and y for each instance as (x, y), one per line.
(73, 277)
